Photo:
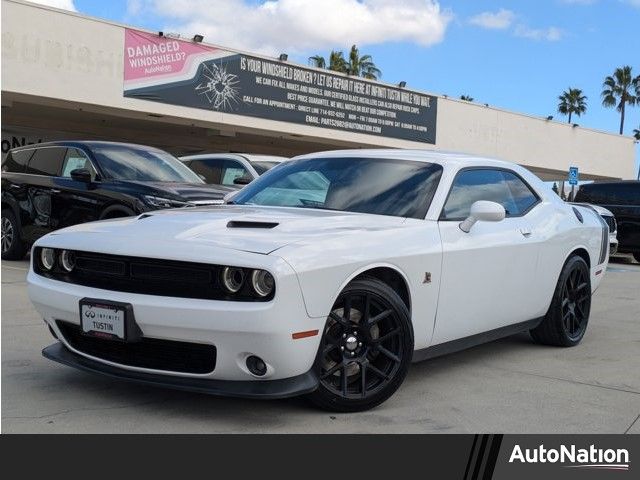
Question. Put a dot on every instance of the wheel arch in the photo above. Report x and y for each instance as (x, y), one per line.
(112, 211)
(386, 273)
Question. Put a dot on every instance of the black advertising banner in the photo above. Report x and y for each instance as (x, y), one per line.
(189, 74)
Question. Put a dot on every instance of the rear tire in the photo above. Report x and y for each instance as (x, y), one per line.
(13, 248)
(366, 348)
(565, 323)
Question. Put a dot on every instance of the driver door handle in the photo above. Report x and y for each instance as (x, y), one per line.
(55, 190)
(526, 232)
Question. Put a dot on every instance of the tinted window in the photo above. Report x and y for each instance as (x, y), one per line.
(16, 161)
(75, 159)
(498, 186)
(262, 166)
(219, 171)
(47, 161)
(123, 162)
(610, 193)
(365, 185)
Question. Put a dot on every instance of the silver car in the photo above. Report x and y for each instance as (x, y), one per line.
(231, 169)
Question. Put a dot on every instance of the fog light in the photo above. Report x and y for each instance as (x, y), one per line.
(232, 279)
(256, 365)
(262, 282)
(68, 260)
(48, 258)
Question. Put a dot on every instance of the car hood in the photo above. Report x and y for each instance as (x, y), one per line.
(186, 191)
(246, 228)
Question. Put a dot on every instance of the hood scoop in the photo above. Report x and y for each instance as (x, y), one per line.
(251, 224)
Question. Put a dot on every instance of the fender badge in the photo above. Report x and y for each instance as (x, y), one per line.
(427, 277)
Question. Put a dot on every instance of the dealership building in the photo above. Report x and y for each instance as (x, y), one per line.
(68, 76)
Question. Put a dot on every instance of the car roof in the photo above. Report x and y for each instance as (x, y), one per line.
(430, 156)
(252, 157)
(85, 143)
(610, 183)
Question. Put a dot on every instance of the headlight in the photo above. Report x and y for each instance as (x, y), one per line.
(68, 260)
(262, 282)
(48, 258)
(160, 202)
(232, 278)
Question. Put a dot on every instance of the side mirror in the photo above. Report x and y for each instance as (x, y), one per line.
(81, 175)
(242, 180)
(484, 211)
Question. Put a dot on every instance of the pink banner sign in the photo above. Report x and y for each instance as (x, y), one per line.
(149, 56)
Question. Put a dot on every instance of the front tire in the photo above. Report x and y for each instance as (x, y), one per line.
(13, 248)
(565, 323)
(366, 348)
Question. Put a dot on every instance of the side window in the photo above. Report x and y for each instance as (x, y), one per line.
(47, 161)
(16, 161)
(75, 159)
(232, 170)
(211, 169)
(498, 186)
(521, 194)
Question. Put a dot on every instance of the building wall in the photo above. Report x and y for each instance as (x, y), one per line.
(68, 61)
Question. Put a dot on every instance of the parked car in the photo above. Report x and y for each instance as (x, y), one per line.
(53, 185)
(231, 169)
(328, 276)
(622, 198)
(610, 220)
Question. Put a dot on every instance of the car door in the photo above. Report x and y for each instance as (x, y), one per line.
(75, 202)
(486, 272)
(44, 165)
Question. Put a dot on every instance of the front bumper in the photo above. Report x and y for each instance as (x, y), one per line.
(236, 329)
(272, 389)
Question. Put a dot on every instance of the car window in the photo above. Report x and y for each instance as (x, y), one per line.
(75, 159)
(219, 171)
(610, 193)
(365, 185)
(46, 161)
(16, 161)
(126, 162)
(498, 186)
(262, 166)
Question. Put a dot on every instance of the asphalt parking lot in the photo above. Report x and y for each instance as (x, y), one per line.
(509, 386)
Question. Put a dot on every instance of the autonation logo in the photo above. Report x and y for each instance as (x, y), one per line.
(573, 457)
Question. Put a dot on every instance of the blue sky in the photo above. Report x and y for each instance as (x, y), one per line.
(518, 54)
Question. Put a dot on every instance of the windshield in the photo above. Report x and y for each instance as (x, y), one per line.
(261, 166)
(127, 163)
(364, 185)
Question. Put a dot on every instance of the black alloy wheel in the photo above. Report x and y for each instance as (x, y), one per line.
(366, 348)
(566, 321)
(13, 248)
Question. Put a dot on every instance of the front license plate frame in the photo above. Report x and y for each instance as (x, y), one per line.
(129, 328)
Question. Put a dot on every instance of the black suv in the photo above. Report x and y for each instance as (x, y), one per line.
(57, 184)
(623, 199)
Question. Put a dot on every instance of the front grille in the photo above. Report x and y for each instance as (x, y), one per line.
(611, 222)
(149, 276)
(149, 353)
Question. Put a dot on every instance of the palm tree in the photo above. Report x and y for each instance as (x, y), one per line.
(337, 63)
(572, 101)
(318, 61)
(466, 98)
(362, 66)
(619, 90)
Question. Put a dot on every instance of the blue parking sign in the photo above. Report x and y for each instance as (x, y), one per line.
(573, 175)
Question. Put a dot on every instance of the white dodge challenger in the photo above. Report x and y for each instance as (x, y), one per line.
(327, 276)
